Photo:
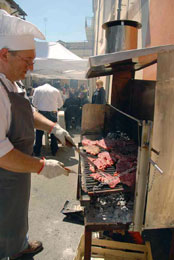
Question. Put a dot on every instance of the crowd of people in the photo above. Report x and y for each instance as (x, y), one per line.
(71, 100)
(48, 99)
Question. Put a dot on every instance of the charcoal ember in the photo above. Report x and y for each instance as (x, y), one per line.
(131, 148)
(111, 208)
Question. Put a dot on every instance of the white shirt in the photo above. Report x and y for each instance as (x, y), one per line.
(47, 98)
(5, 114)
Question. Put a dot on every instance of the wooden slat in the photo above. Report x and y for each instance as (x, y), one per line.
(118, 253)
(111, 250)
(148, 246)
(119, 245)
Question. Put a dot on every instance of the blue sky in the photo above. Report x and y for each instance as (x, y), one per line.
(59, 19)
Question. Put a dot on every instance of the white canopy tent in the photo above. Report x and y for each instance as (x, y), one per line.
(54, 61)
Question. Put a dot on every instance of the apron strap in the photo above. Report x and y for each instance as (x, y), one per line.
(4, 86)
(21, 93)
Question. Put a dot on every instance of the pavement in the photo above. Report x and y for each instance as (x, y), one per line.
(48, 196)
(60, 236)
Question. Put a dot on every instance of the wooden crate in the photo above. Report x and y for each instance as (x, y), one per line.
(112, 250)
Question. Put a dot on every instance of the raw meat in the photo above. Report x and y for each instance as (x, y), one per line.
(128, 179)
(123, 155)
(92, 149)
(88, 142)
(105, 156)
(124, 164)
(106, 179)
(103, 161)
(106, 144)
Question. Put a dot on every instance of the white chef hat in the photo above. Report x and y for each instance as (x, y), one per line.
(16, 33)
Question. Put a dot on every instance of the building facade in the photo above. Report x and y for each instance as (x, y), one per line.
(12, 8)
(156, 17)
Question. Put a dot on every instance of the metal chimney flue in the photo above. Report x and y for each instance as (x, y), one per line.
(121, 35)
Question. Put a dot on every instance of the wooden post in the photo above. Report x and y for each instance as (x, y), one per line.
(88, 240)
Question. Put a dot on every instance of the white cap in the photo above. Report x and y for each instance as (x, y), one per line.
(16, 33)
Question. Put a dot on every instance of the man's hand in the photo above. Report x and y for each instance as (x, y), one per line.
(53, 168)
(62, 135)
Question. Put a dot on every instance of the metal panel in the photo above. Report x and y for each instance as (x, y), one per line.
(93, 118)
(160, 200)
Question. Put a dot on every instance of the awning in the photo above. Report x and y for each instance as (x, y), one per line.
(107, 64)
(54, 61)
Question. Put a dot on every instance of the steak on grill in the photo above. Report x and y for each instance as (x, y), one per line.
(106, 179)
(88, 142)
(123, 165)
(112, 181)
(92, 149)
(103, 161)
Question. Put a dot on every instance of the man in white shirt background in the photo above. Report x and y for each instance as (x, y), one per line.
(47, 99)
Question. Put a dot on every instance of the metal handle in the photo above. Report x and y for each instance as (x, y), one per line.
(156, 166)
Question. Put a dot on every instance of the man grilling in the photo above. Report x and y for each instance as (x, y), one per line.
(17, 53)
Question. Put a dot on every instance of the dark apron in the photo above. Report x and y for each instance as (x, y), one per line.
(15, 187)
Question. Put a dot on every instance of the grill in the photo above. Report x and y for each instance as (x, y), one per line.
(88, 187)
(143, 105)
(116, 125)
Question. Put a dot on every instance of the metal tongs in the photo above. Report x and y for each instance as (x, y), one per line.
(85, 157)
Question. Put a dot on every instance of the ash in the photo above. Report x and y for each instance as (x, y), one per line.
(113, 208)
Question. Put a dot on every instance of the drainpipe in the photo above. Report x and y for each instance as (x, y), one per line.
(99, 6)
(127, 11)
(119, 10)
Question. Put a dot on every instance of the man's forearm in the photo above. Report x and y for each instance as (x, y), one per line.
(41, 122)
(17, 161)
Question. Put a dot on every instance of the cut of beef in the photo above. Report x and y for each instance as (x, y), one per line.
(128, 179)
(103, 161)
(106, 144)
(106, 179)
(123, 165)
(120, 154)
(88, 142)
(92, 149)
(106, 158)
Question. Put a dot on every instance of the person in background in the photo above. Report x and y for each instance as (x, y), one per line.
(99, 95)
(18, 119)
(83, 100)
(65, 92)
(47, 100)
(72, 109)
